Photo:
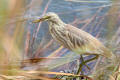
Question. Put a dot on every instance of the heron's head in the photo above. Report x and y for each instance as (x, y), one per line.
(50, 16)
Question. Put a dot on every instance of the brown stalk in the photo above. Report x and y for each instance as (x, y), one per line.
(37, 29)
(41, 50)
(27, 43)
(58, 73)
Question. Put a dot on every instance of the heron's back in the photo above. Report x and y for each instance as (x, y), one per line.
(78, 40)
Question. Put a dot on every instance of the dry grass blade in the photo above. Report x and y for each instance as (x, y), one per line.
(37, 77)
(64, 51)
(84, 1)
(4, 77)
(37, 30)
(111, 77)
(27, 43)
(24, 77)
(81, 10)
(55, 73)
(36, 60)
(41, 50)
(55, 52)
(58, 73)
(91, 19)
(116, 75)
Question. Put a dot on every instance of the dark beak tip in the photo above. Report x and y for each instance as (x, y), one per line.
(41, 19)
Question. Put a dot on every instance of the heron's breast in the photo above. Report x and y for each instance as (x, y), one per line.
(59, 36)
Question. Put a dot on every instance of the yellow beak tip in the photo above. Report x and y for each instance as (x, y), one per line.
(36, 21)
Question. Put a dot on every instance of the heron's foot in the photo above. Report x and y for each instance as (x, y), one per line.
(85, 63)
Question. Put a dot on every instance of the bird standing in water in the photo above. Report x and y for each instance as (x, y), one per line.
(75, 39)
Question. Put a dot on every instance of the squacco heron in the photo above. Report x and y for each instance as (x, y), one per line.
(74, 38)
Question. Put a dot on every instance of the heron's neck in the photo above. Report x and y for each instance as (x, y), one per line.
(56, 24)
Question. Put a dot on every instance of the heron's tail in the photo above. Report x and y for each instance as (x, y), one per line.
(110, 55)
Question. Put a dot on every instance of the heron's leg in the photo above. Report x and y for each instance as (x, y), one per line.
(84, 63)
(82, 60)
(81, 65)
(96, 57)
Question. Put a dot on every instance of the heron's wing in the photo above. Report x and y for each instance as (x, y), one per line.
(83, 42)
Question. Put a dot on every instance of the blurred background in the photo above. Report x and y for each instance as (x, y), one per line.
(25, 46)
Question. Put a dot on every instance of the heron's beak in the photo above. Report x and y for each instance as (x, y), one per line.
(44, 18)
